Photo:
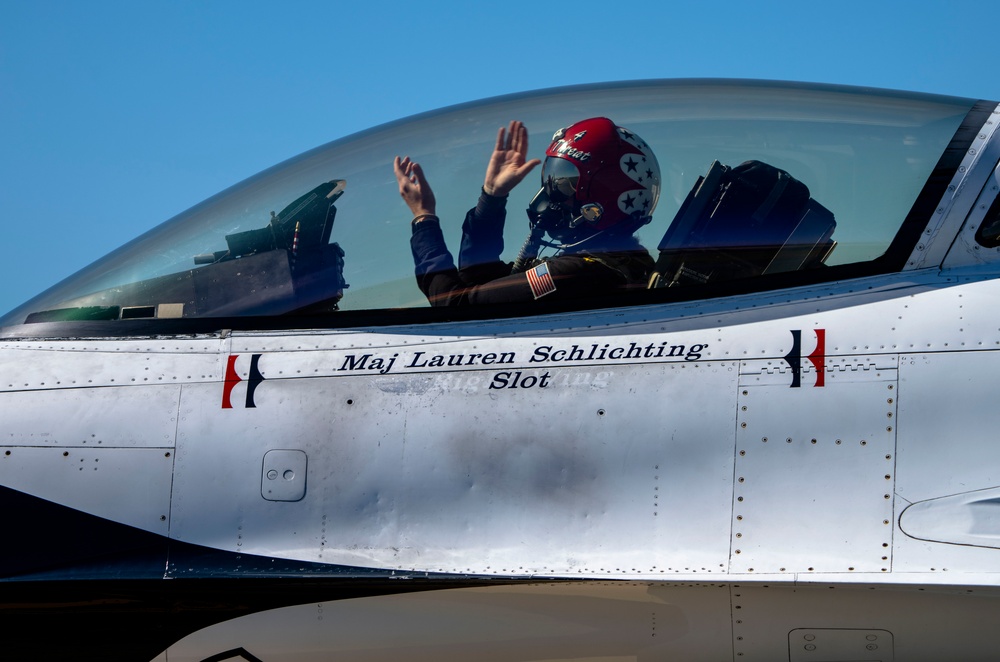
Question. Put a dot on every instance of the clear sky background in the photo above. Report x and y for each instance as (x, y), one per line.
(117, 115)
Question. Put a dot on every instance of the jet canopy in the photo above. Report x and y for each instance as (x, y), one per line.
(327, 234)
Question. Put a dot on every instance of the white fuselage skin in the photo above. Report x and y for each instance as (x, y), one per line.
(804, 474)
(663, 444)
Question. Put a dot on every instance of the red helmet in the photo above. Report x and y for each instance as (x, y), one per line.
(604, 172)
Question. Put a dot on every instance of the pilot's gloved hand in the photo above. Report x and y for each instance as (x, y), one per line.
(413, 188)
(508, 165)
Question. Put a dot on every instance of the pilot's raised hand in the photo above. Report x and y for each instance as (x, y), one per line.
(413, 187)
(508, 165)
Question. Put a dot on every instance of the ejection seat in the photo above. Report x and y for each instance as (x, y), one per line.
(750, 220)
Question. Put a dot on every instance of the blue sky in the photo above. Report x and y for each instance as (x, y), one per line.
(115, 116)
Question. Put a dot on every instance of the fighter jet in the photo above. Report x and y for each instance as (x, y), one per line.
(722, 393)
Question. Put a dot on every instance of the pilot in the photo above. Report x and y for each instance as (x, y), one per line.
(600, 183)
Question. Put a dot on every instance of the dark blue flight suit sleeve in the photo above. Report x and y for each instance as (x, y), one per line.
(483, 278)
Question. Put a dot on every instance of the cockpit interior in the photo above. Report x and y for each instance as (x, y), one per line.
(325, 234)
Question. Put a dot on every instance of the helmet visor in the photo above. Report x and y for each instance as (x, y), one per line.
(559, 178)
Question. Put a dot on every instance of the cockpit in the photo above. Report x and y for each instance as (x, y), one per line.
(325, 234)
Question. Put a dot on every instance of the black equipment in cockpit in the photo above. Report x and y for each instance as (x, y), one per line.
(290, 258)
(749, 220)
(302, 225)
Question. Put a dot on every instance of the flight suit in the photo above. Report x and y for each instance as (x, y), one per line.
(482, 278)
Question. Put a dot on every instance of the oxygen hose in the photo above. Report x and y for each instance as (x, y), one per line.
(529, 250)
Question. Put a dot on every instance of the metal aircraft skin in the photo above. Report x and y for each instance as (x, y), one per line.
(240, 437)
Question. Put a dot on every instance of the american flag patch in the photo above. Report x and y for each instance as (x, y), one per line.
(540, 281)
